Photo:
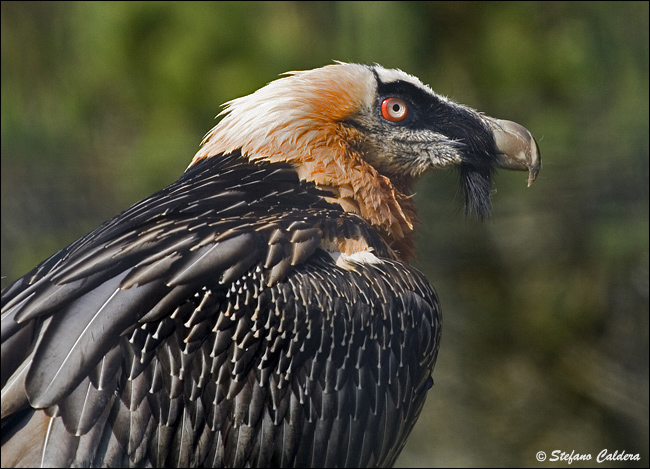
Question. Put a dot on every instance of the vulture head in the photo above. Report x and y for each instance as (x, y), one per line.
(366, 133)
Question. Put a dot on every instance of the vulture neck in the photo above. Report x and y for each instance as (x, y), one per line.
(299, 119)
(360, 189)
(335, 164)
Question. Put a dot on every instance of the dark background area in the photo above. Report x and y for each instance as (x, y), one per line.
(545, 339)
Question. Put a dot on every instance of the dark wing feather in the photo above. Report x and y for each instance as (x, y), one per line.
(205, 326)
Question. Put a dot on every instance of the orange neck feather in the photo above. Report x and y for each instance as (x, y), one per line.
(358, 187)
(297, 119)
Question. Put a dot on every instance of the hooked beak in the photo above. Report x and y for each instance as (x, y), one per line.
(518, 149)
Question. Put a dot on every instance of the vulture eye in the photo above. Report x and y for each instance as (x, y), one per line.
(394, 109)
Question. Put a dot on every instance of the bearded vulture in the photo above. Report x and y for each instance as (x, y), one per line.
(261, 310)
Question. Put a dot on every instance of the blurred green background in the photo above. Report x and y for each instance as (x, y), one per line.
(545, 340)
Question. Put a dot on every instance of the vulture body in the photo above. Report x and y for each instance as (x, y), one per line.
(260, 311)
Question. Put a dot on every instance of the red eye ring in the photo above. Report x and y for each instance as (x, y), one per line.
(394, 109)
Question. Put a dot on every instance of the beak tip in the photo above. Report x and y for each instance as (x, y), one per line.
(533, 170)
(536, 163)
(518, 149)
(531, 178)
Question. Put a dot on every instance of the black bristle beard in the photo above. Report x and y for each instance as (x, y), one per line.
(476, 185)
